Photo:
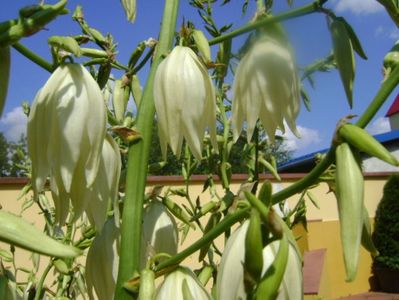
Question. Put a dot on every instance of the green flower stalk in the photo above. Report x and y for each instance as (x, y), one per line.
(66, 129)
(266, 87)
(185, 102)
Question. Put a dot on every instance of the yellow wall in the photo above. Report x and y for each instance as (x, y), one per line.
(323, 228)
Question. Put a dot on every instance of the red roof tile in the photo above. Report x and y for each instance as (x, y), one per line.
(394, 107)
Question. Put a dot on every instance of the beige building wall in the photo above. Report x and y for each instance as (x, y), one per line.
(323, 225)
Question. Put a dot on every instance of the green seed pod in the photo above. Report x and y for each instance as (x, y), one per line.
(12, 35)
(4, 26)
(349, 193)
(177, 211)
(5, 61)
(66, 43)
(265, 193)
(147, 285)
(343, 54)
(16, 231)
(120, 98)
(137, 90)
(202, 44)
(365, 142)
(270, 168)
(367, 241)
(205, 275)
(268, 287)
(103, 74)
(212, 222)
(61, 266)
(94, 53)
(253, 262)
(46, 14)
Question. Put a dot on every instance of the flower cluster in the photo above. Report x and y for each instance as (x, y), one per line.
(266, 87)
(66, 141)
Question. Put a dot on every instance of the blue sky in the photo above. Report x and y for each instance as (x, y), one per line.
(309, 36)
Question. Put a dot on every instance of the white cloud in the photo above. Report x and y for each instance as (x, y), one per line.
(380, 125)
(14, 124)
(358, 7)
(309, 137)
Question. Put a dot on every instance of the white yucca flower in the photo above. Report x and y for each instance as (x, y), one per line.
(185, 102)
(102, 262)
(105, 188)
(160, 234)
(66, 129)
(182, 284)
(266, 87)
(230, 279)
(130, 9)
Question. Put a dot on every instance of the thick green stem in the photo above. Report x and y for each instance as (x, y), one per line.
(299, 12)
(37, 59)
(224, 225)
(138, 162)
(39, 287)
(382, 95)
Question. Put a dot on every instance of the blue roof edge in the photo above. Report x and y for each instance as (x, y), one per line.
(382, 138)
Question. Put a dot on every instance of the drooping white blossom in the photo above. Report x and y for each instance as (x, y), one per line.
(66, 129)
(230, 279)
(105, 188)
(102, 262)
(185, 102)
(266, 87)
(181, 284)
(160, 234)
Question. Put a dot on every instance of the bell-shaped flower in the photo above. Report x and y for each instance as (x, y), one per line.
(66, 129)
(104, 191)
(185, 102)
(159, 234)
(266, 87)
(102, 262)
(182, 284)
(230, 279)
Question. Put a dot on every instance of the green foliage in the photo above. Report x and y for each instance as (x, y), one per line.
(386, 231)
(14, 160)
(4, 163)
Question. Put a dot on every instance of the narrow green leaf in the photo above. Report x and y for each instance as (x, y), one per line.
(344, 57)
(357, 46)
(5, 61)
